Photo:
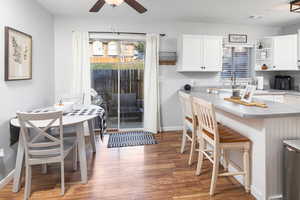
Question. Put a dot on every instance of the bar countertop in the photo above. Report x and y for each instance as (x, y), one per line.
(274, 110)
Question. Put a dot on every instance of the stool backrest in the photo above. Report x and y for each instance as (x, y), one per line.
(206, 117)
(39, 142)
(186, 104)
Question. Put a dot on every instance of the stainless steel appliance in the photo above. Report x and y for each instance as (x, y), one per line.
(283, 83)
(291, 170)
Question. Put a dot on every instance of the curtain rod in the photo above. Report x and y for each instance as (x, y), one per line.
(129, 33)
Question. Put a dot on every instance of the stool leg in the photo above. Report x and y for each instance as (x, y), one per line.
(200, 156)
(215, 172)
(225, 157)
(193, 147)
(75, 157)
(62, 176)
(183, 139)
(247, 170)
(28, 177)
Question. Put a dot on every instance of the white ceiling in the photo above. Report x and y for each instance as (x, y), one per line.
(274, 12)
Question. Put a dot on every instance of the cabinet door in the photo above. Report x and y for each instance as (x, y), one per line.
(212, 53)
(285, 52)
(292, 99)
(192, 51)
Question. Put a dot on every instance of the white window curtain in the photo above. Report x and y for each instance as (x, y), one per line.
(151, 85)
(81, 77)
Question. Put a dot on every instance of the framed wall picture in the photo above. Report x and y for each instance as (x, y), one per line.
(18, 55)
(248, 93)
(238, 38)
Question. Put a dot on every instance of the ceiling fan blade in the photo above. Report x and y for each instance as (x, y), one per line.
(136, 5)
(97, 6)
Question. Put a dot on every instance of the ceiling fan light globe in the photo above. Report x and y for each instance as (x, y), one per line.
(114, 2)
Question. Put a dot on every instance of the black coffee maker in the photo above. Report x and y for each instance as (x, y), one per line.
(283, 83)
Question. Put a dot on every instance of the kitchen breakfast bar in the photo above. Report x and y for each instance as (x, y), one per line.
(266, 128)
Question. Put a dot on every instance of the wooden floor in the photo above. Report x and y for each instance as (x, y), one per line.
(132, 173)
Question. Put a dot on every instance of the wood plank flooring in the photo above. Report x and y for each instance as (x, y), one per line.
(154, 172)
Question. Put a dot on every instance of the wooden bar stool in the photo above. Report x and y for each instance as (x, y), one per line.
(220, 138)
(189, 124)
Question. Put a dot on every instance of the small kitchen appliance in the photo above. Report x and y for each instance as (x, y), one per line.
(260, 82)
(282, 83)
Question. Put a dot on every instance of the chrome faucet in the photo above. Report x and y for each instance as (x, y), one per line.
(233, 80)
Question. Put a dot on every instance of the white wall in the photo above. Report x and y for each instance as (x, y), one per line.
(291, 29)
(29, 17)
(171, 81)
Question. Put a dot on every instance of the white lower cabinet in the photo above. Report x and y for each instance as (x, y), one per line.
(273, 98)
(286, 99)
(292, 99)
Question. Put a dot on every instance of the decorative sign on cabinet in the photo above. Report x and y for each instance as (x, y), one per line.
(278, 53)
(200, 53)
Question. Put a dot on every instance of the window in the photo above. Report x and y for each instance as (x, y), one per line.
(236, 60)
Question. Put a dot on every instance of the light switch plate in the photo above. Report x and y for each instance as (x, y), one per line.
(1, 153)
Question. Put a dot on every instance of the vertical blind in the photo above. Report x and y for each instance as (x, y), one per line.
(236, 60)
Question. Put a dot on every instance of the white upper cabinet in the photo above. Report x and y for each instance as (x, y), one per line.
(192, 52)
(285, 52)
(200, 53)
(279, 53)
(213, 53)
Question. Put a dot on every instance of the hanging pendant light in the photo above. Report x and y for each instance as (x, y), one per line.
(114, 3)
(114, 48)
(97, 48)
(295, 6)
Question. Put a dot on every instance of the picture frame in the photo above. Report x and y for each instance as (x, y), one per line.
(238, 38)
(248, 93)
(18, 55)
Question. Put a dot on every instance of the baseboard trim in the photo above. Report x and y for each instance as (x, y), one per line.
(7, 179)
(277, 197)
(171, 128)
(256, 193)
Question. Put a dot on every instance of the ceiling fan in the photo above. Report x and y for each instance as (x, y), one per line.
(132, 3)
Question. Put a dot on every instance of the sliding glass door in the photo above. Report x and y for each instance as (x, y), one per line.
(117, 68)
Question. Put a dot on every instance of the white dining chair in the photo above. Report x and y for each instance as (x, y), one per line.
(77, 99)
(189, 124)
(41, 147)
(222, 139)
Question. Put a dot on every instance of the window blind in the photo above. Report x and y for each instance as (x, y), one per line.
(236, 60)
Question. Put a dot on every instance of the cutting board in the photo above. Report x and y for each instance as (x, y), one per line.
(239, 101)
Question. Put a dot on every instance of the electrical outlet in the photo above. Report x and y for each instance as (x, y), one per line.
(1, 153)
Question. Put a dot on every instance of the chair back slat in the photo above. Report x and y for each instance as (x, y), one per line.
(186, 104)
(206, 117)
(42, 143)
(46, 152)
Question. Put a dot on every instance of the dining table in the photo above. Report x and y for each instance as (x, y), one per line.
(75, 119)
